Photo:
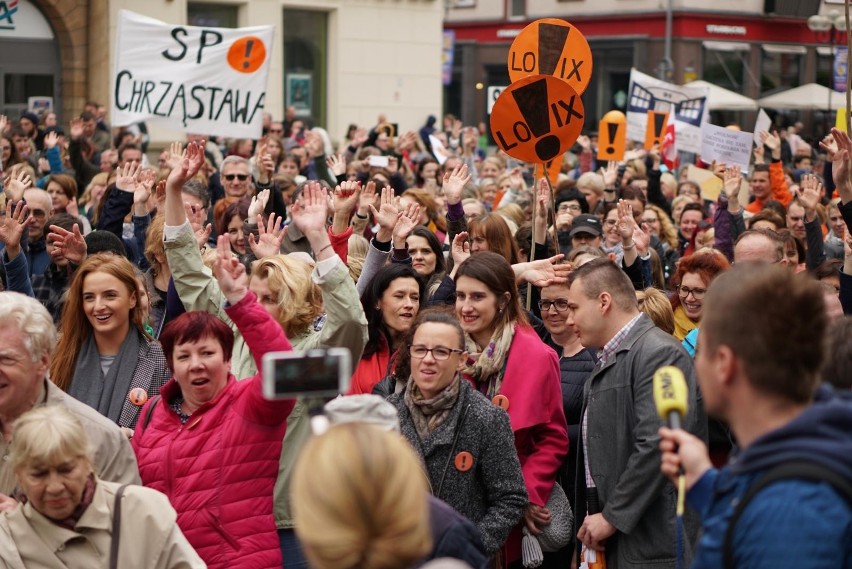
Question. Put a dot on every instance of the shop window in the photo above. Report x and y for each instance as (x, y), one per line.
(724, 68)
(17, 88)
(780, 69)
(306, 63)
(212, 15)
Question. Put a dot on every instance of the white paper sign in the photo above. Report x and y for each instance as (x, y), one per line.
(438, 149)
(727, 146)
(208, 81)
(688, 104)
(763, 123)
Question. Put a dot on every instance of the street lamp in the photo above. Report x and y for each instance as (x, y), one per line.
(828, 27)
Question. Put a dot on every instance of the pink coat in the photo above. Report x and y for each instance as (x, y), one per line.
(532, 385)
(218, 470)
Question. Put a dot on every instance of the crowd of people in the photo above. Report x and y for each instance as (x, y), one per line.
(504, 332)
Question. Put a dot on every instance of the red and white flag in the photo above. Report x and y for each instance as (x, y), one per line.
(669, 149)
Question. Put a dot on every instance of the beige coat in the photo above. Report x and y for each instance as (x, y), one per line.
(114, 459)
(150, 537)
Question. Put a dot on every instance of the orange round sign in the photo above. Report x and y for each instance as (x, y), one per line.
(501, 401)
(537, 118)
(464, 461)
(138, 396)
(247, 54)
(552, 47)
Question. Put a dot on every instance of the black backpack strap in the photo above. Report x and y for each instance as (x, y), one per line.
(787, 471)
(150, 411)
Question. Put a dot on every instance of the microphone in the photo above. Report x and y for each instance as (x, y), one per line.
(671, 395)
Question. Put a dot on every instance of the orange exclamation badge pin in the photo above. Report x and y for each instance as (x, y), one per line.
(464, 461)
(247, 54)
(612, 136)
(655, 131)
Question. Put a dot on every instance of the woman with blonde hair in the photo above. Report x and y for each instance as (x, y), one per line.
(92, 196)
(657, 306)
(63, 499)
(374, 513)
(104, 357)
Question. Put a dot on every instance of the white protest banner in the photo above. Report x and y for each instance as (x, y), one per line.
(689, 105)
(208, 81)
(731, 147)
(763, 123)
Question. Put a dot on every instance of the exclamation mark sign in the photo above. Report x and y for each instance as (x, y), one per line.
(655, 131)
(533, 103)
(659, 124)
(612, 129)
(247, 62)
(551, 42)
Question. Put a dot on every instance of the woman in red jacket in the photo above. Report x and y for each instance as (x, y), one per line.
(513, 368)
(211, 443)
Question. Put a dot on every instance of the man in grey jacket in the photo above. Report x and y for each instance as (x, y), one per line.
(629, 508)
(27, 340)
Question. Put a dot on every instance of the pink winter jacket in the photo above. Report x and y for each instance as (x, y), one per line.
(218, 470)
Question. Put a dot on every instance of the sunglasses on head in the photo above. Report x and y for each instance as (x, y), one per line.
(240, 177)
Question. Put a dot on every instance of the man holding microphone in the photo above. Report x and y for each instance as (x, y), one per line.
(786, 499)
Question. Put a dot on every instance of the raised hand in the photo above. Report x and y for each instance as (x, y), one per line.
(759, 151)
(393, 165)
(258, 204)
(310, 212)
(367, 199)
(772, 142)
(733, 179)
(4, 122)
(337, 164)
(811, 190)
(195, 217)
(460, 249)
(144, 186)
(405, 224)
(839, 150)
(12, 228)
(626, 223)
(265, 164)
(73, 208)
(609, 174)
(176, 155)
(76, 131)
(127, 176)
(15, 187)
(269, 238)
(346, 195)
(387, 214)
(68, 244)
(50, 140)
(543, 272)
(229, 272)
(454, 184)
(542, 196)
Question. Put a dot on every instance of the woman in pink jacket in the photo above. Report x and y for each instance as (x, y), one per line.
(513, 368)
(211, 443)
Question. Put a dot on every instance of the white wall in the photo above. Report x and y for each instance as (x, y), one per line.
(384, 56)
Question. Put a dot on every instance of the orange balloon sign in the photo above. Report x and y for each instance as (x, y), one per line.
(247, 54)
(612, 136)
(552, 47)
(536, 119)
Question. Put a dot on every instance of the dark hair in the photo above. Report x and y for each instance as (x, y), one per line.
(523, 238)
(376, 327)
(435, 245)
(495, 272)
(774, 321)
(197, 189)
(692, 207)
(826, 269)
(602, 275)
(839, 359)
(194, 326)
(127, 146)
(571, 195)
(759, 168)
(777, 207)
(101, 241)
(788, 237)
(66, 182)
(437, 315)
(64, 220)
(629, 193)
(769, 215)
(236, 209)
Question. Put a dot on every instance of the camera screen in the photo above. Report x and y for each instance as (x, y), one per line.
(307, 374)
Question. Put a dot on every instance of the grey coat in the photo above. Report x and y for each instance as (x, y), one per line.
(623, 449)
(492, 493)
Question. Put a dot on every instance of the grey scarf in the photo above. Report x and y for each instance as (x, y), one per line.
(105, 394)
(429, 414)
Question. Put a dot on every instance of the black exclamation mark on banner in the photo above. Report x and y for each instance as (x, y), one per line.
(247, 62)
(612, 129)
(551, 41)
(532, 102)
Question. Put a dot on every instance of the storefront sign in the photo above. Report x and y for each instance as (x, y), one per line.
(203, 80)
(19, 19)
(723, 30)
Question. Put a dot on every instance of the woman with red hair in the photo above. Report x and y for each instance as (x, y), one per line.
(694, 274)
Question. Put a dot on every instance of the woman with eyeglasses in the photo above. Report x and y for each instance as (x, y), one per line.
(513, 368)
(693, 277)
(465, 441)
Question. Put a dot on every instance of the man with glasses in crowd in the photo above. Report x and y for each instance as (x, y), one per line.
(236, 177)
